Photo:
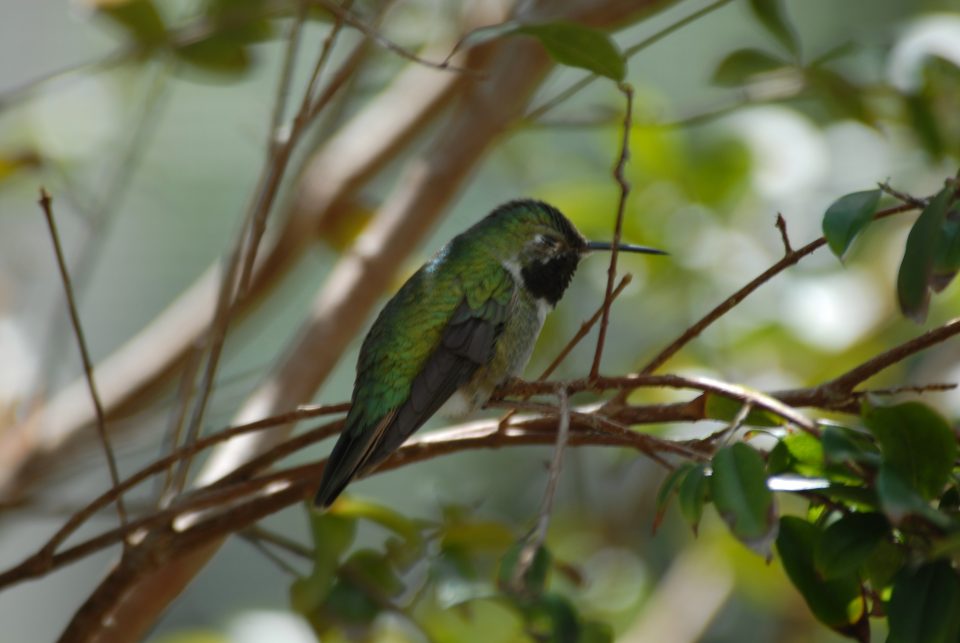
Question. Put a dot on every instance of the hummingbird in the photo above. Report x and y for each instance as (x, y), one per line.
(463, 324)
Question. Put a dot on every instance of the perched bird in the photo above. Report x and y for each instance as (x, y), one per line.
(465, 322)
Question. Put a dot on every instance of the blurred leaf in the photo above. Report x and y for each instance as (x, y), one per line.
(916, 268)
(244, 21)
(725, 409)
(382, 515)
(843, 98)
(332, 536)
(899, 500)
(668, 489)
(799, 453)
(13, 162)
(370, 570)
(925, 605)
(478, 534)
(740, 66)
(771, 15)
(533, 580)
(218, 54)
(882, 565)
(575, 45)
(836, 602)
(847, 217)
(925, 125)
(842, 445)
(552, 618)
(946, 259)
(596, 632)
(740, 493)
(693, 494)
(916, 443)
(139, 18)
(847, 544)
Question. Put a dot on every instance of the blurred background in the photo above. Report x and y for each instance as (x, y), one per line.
(152, 158)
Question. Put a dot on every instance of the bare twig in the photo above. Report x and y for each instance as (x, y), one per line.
(782, 227)
(903, 197)
(730, 302)
(536, 113)
(46, 204)
(538, 535)
(621, 179)
(370, 32)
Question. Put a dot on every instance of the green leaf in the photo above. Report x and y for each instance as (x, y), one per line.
(946, 258)
(925, 605)
(900, 500)
(552, 618)
(667, 490)
(916, 269)
(926, 128)
(836, 602)
(533, 580)
(771, 15)
(218, 54)
(368, 568)
(740, 66)
(139, 18)
(740, 493)
(842, 445)
(799, 453)
(883, 564)
(847, 544)
(574, 45)
(382, 515)
(332, 537)
(725, 409)
(693, 494)
(843, 98)
(847, 217)
(916, 443)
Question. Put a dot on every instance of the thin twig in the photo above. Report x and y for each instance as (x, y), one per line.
(618, 227)
(730, 302)
(572, 343)
(536, 113)
(538, 535)
(46, 204)
(782, 227)
(370, 32)
(286, 73)
(903, 197)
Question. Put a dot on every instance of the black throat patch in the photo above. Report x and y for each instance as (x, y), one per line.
(549, 280)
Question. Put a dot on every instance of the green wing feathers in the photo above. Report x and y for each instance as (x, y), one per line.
(428, 340)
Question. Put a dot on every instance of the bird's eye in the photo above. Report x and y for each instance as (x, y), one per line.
(547, 242)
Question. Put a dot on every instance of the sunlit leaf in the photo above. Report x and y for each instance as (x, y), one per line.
(916, 442)
(740, 494)
(771, 15)
(575, 45)
(836, 602)
(799, 453)
(925, 605)
(847, 217)
(916, 268)
(847, 544)
(349, 507)
(741, 65)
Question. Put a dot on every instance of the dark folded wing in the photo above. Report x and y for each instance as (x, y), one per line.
(466, 344)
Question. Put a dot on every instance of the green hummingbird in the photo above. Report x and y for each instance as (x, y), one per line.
(465, 322)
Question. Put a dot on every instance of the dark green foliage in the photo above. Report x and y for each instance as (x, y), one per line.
(579, 46)
(847, 217)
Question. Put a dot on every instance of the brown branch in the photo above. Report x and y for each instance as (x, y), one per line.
(733, 300)
(782, 227)
(624, 185)
(46, 204)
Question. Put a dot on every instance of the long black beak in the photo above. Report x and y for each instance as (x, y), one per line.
(623, 247)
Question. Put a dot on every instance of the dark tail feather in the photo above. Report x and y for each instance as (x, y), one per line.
(349, 457)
